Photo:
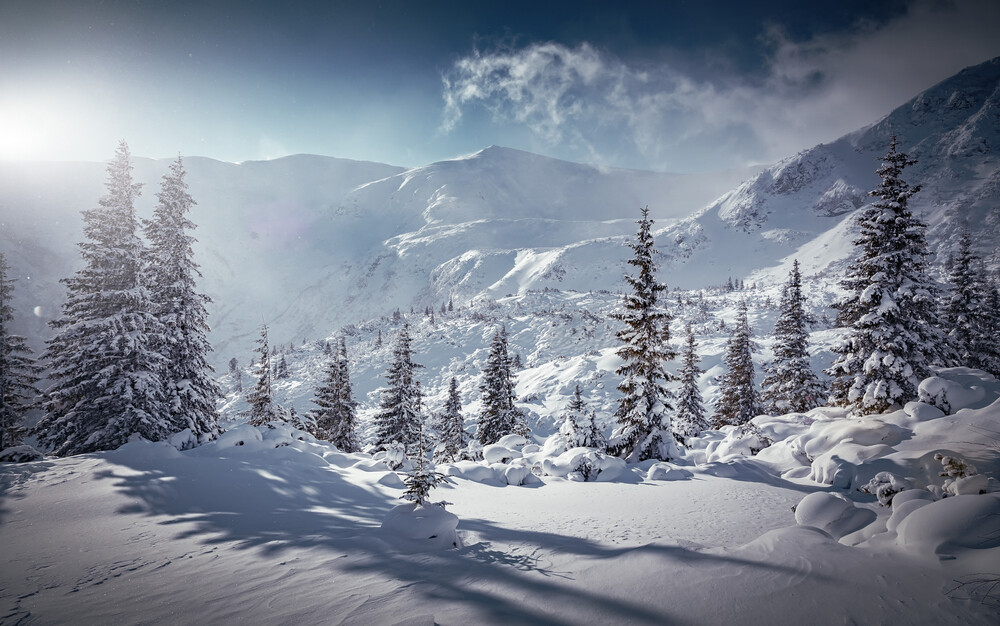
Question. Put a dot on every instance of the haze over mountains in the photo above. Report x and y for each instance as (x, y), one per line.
(309, 243)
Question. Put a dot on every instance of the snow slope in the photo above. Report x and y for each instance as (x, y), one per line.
(268, 525)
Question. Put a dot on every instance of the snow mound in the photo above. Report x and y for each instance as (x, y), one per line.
(428, 527)
(470, 470)
(832, 513)
(666, 471)
(952, 525)
(949, 395)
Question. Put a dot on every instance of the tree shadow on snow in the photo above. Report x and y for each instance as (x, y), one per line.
(296, 500)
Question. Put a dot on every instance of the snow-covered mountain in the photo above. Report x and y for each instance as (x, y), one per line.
(309, 243)
(803, 206)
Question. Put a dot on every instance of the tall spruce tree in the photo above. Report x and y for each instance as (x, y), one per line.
(499, 415)
(990, 352)
(107, 378)
(789, 384)
(690, 419)
(739, 400)
(18, 370)
(968, 312)
(335, 418)
(452, 436)
(400, 417)
(645, 408)
(261, 398)
(893, 337)
(189, 388)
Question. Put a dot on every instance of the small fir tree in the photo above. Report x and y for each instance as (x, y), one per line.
(893, 337)
(690, 419)
(644, 410)
(400, 416)
(189, 387)
(789, 384)
(262, 407)
(452, 436)
(107, 378)
(579, 426)
(18, 371)
(421, 479)
(335, 419)
(738, 398)
(499, 415)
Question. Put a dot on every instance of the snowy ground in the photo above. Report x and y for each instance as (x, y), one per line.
(282, 530)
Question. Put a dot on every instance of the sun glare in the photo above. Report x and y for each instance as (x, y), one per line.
(27, 131)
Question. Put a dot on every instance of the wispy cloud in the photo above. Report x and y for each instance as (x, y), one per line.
(812, 91)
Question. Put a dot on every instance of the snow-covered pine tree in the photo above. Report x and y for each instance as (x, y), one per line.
(282, 367)
(336, 418)
(579, 426)
(499, 415)
(891, 306)
(261, 397)
(967, 312)
(990, 352)
(739, 400)
(452, 436)
(18, 371)
(644, 410)
(171, 272)
(107, 379)
(400, 416)
(690, 419)
(789, 384)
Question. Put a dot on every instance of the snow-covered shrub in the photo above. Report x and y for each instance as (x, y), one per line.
(394, 455)
(472, 452)
(583, 464)
(744, 440)
(20, 454)
(884, 486)
(961, 478)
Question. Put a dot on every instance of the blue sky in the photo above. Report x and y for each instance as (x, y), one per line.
(671, 86)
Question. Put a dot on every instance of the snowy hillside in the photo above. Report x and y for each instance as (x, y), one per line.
(563, 339)
(873, 520)
(802, 206)
(310, 243)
